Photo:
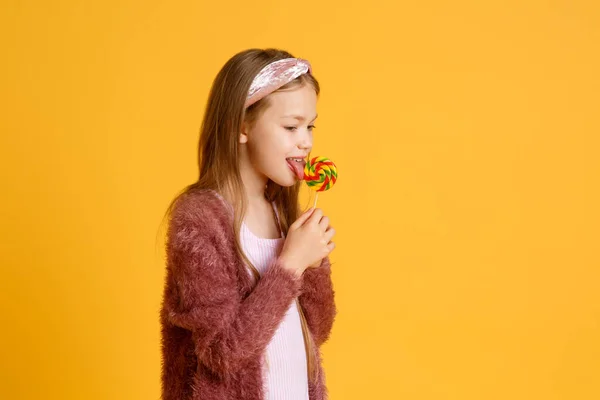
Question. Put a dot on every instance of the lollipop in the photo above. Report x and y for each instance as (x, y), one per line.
(320, 174)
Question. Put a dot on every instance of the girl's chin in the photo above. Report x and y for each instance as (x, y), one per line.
(286, 182)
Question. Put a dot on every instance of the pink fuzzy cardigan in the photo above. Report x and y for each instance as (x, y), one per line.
(216, 324)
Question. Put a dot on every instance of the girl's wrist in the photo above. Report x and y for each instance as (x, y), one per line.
(287, 264)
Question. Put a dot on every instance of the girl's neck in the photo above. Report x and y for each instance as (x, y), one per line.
(254, 182)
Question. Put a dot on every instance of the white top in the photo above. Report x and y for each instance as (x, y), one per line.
(285, 375)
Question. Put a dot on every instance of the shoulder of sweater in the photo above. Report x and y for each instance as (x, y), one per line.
(201, 208)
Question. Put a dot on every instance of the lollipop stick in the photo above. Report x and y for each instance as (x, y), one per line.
(316, 198)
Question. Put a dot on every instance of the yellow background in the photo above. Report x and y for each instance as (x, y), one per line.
(466, 135)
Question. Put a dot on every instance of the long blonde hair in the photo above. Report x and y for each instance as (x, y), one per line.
(218, 153)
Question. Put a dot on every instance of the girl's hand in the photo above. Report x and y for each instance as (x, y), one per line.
(327, 226)
(308, 242)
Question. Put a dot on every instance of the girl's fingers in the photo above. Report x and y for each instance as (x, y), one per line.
(316, 216)
(328, 235)
(324, 224)
(302, 219)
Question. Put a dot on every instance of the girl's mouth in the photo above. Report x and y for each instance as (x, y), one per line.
(297, 166)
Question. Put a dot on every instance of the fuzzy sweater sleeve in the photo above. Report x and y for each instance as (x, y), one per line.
(204, 298)
(318, 301)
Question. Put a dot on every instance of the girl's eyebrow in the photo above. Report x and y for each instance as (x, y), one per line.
(298, 117)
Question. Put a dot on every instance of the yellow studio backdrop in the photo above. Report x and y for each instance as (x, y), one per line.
(466, 137)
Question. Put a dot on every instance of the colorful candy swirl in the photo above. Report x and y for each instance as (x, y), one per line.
(320, 174)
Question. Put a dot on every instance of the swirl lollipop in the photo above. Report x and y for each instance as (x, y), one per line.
(320, 174)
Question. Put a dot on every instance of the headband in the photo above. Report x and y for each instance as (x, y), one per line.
(275, 75)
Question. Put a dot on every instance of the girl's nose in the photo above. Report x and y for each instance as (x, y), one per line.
(306, 141)
(305, 145)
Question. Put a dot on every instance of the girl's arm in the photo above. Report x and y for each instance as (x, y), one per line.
(203, 298)
(317, 301)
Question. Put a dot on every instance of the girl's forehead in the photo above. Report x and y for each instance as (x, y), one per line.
(298, 102)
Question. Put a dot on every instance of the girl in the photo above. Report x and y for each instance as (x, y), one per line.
(248, 297)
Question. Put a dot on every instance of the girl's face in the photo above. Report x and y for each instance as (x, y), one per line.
(282, 133)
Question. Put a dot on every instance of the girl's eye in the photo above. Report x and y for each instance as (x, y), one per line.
(293, 128)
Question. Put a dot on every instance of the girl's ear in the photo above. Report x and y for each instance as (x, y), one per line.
(244, 133)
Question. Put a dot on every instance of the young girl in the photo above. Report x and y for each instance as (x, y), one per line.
(248, 297)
